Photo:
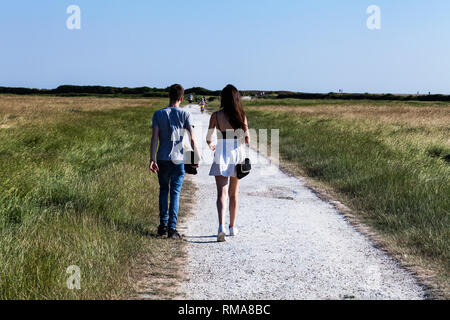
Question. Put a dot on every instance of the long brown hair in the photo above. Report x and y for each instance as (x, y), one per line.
(232, 107)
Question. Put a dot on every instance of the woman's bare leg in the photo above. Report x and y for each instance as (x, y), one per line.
(233, 193)
(222, 193)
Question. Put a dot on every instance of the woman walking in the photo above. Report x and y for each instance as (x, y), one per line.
(231, 125)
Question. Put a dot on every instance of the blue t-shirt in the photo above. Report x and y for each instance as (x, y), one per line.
(171, 122)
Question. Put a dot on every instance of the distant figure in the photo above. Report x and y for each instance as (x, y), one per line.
(191, 98)
(202, 105)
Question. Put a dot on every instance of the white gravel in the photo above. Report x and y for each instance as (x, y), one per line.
(291, 245)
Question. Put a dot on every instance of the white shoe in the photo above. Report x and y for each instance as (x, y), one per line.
(221, 237)
(220, 234)
(233, 231)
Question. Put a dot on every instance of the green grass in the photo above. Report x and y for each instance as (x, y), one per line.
(394, 174)
(77, 191)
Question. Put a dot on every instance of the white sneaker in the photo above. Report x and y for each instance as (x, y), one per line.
(220, 234)
(233, 231)
(221, 237)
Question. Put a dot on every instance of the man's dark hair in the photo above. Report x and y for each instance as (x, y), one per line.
(176, 92)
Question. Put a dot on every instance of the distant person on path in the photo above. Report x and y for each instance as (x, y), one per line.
(231, 125)
(168, 128)
(203, 104)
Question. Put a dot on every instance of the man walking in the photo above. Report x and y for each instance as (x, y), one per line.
(168, 128)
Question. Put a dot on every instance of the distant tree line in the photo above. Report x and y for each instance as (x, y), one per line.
(86, 91)
(70, 90)
(199, 91)
(363, 96)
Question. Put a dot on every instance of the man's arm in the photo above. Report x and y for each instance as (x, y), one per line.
(194, 145)
(153, 146)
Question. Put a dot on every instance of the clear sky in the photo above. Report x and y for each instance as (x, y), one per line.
(311, 46)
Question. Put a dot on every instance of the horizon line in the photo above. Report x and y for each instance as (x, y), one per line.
(255, 90)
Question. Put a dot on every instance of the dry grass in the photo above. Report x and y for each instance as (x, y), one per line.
(430, 115)
(420, 125)
(16, 110)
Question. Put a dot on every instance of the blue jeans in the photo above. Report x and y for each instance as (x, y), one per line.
(171, 177)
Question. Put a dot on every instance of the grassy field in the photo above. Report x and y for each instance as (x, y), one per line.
(75, 190)
(388, 161)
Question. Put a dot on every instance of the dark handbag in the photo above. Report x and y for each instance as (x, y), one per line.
(189, 165)
(243, 169)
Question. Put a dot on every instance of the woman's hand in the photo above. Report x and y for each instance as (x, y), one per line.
(212, 147)
(153, 167)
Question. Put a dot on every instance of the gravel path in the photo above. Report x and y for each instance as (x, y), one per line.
(291, 245)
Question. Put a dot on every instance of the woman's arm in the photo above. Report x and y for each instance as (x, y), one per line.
(212, 125)
(247, 132)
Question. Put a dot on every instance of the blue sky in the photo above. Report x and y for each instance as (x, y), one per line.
(311, 46)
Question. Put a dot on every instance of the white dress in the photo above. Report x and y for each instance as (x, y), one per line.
(229, 152)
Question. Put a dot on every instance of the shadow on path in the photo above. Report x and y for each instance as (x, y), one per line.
(187, 239)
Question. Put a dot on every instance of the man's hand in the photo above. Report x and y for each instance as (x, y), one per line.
(153, 146)
(213, 147)
(153, 167)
